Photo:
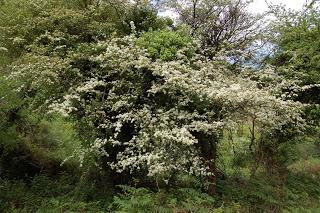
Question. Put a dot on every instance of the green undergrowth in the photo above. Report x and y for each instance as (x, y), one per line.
(44, 194)
(73, 194)
(69, 188)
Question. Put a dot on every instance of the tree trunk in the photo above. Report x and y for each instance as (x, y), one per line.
(208, 147)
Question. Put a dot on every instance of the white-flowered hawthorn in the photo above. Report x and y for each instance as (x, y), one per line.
(144, 114)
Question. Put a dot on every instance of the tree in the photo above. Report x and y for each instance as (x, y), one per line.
(24, 23)
(296, 38)
(219, 24)
(147, 106)
(150, 117)
(298, 44)
(145, 18)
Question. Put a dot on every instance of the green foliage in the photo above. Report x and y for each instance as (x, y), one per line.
(150, 110)
(234, 154)
(310, 166)
(43, 194)
(302, 190)
(38, 150)
(10, 103)
(167, 45)
(144, 18)
(28, 141)
(301, 148)
(298, 52)
(144, 200)
(299, 43)
(54, 23)
(56, 137)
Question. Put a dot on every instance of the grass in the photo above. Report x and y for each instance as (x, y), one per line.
(309, 166)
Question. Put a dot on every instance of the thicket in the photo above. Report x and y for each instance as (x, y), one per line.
(107, 107)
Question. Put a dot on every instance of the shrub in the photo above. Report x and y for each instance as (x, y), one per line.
(167, 45)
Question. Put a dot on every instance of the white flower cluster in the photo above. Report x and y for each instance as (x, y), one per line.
(66, 106)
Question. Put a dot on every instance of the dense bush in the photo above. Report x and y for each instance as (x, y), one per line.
(106, 107)
(167, 45)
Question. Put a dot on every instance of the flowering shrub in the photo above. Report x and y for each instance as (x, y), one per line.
(154, 116)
